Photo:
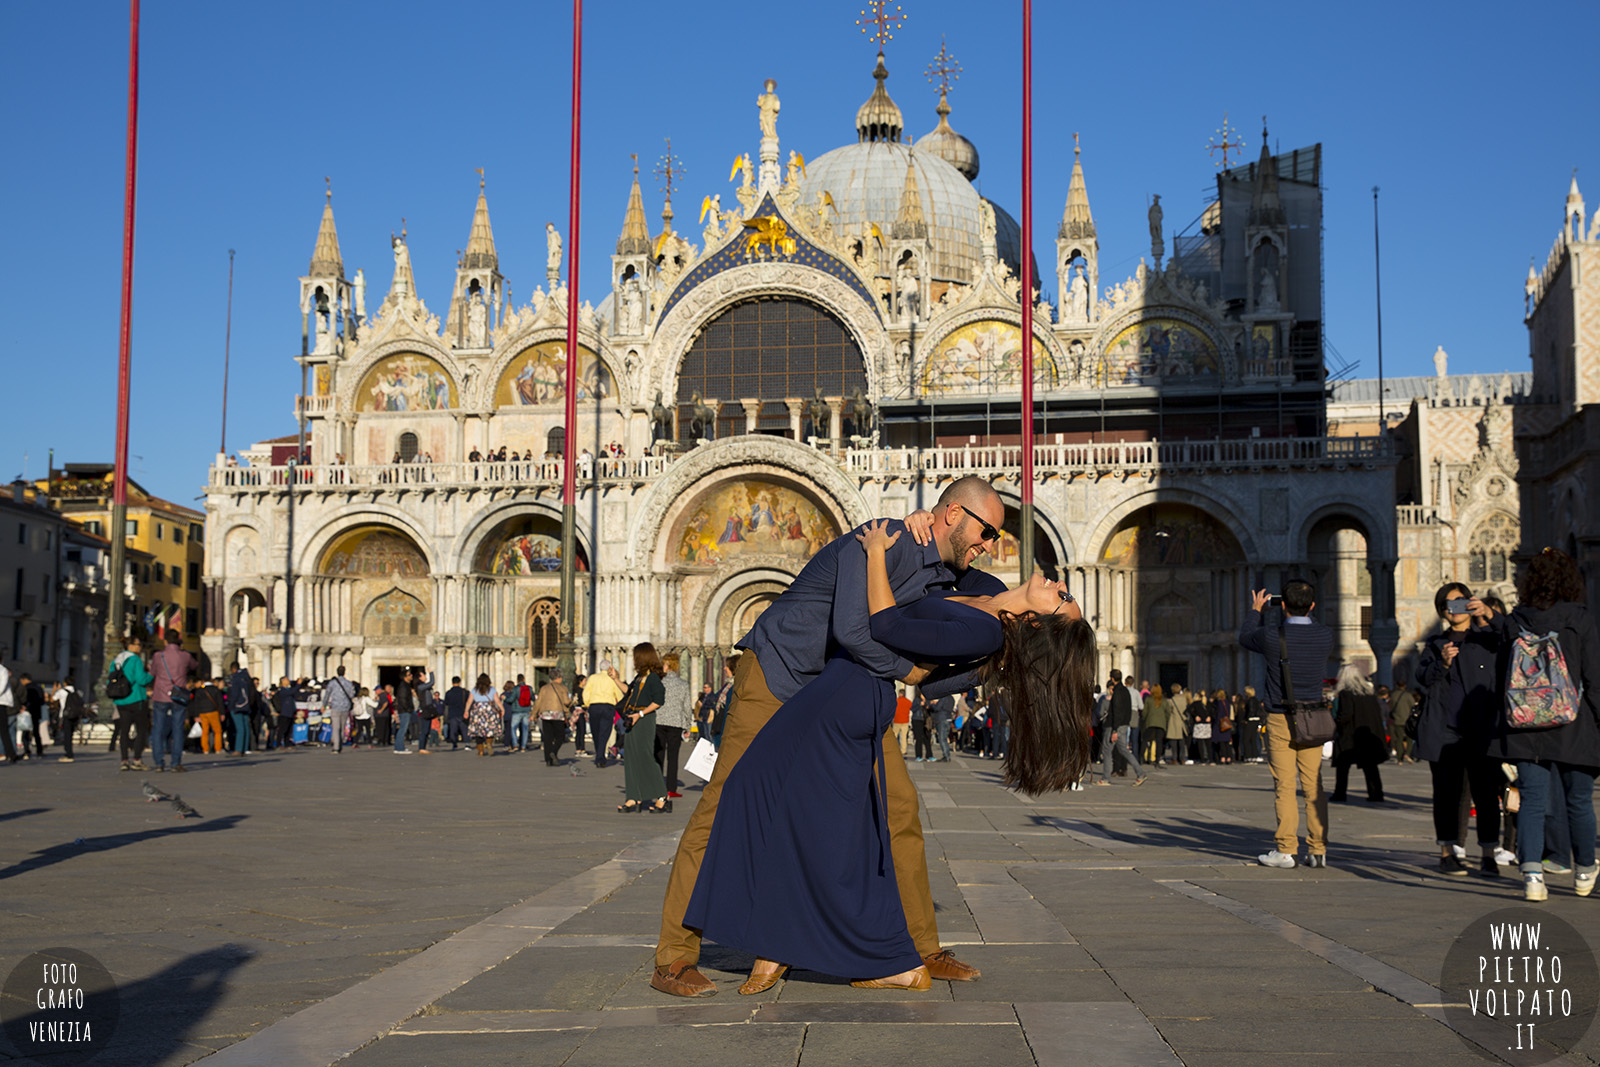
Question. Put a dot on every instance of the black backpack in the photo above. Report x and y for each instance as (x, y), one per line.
(117, 685)
(74, 705)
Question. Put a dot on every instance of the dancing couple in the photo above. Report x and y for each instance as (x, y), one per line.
(806, 848)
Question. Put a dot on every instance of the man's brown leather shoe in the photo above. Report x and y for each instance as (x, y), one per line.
(683, 979)
(944, 967)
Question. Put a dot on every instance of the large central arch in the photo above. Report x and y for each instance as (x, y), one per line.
(716, 295)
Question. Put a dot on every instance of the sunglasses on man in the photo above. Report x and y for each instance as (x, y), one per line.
(988, 531)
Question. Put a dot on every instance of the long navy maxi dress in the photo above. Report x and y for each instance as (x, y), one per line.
(798, 867)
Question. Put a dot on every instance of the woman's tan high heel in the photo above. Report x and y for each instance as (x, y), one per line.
(920, 981)
(760, 983)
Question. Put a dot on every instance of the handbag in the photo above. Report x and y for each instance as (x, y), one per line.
(178, 696)
(1202, 731)
(1310, 721)
(702, 760)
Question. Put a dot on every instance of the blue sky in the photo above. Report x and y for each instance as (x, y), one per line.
(1471, 123)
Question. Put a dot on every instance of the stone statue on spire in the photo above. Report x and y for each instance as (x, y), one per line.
(767, 104)
(1158, 247)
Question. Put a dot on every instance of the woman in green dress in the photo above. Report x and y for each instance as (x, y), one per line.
(645, 788)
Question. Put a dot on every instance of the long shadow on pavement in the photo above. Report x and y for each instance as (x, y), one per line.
(63, 852)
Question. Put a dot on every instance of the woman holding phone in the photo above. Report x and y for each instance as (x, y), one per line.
(1459, 670)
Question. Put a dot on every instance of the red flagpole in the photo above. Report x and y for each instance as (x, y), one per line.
(119, 499)
(565, 652)
(1027, 290)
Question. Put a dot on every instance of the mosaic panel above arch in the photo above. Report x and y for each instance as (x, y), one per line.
(538, 376)
(406, 381)
(751, 517)
(1160, 347)
(523, 547)
(373, 552)
(1173, 535)
(986, 357)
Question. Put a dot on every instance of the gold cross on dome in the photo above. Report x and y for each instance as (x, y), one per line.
(669, 169)
(1226, 144)
(944, 71)
(886, 22)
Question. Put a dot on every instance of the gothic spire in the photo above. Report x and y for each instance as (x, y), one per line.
(635, 239)
(325, 261)
(1077, 223)
(1265, 207)
(480, 242)
(909, 223)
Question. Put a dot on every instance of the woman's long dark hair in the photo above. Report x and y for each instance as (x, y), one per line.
(1046, 665)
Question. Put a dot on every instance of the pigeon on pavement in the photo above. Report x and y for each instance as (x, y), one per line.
(183, 809)
(153, 794)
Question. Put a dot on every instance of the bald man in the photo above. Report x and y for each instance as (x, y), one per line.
(823, 610)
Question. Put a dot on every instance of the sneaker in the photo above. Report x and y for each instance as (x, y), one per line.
(1583, 881)
(402, 752)
(1533, 888)
(180, 769)
(1188, 763)
(1505, 858)
(1452, 865)
(1316, 859)
(1460, 853)
(1488, 867)
(1276, 859)
(1555, 867)
(64, 759)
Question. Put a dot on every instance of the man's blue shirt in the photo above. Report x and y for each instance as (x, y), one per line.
(825, 610)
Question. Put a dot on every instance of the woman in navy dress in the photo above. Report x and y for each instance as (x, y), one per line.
(798, 867)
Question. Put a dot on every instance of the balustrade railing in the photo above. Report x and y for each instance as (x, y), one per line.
(1081, 457)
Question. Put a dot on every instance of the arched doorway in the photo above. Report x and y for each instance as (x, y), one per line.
(1176, 579)
(373, 580)
(1336, 562)
(775, 351)
(515, 594)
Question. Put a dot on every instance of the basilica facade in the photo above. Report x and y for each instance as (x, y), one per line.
(833, 340)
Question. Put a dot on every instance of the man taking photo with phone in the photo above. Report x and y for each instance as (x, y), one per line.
(1296, 648)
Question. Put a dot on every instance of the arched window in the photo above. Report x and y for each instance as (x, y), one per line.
(556, 441)
(408, 447)
(544, 629)
(1493, 545)
(772, 351)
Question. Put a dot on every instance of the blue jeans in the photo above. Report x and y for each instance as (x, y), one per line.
(166, 731)
(241, 732)
(520, 737)
(941, 732)
(1535, 780)
(402, 726)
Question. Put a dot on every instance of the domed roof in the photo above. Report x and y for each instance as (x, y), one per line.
(949, 145)
(867, 180)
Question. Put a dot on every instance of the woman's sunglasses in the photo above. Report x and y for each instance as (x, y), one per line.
(1066, 598)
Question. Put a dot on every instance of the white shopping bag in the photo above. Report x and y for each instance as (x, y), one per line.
(702, 759)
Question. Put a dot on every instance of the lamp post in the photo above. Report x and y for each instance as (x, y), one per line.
(288, 572)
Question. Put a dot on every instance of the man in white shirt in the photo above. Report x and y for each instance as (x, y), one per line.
(9, 715)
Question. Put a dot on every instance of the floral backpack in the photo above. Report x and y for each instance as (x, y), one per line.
(1539, 689)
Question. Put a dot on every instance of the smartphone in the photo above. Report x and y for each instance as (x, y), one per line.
(1457, 606)
(1275, 600)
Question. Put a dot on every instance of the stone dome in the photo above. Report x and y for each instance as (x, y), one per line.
(867, 180)
(949, 145)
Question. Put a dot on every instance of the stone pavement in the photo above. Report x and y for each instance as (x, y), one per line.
(446, 909)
